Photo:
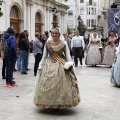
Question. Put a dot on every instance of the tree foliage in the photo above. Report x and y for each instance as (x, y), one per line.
(82, 29)
(1, 13)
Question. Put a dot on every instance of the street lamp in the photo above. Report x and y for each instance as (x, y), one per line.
(54, 10)
(1, 2)
(55, 19)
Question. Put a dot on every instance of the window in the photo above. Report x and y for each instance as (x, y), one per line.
(38, 22)
(95, 11)
(92, 11)
(87, 11)
(88, 22)
(81, 1)
(70, 12)
(93, 22)
(90, 2)
(37, 17)
(81, 11)
(14, 12)
(70, 23)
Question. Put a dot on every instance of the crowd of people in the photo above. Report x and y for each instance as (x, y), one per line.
(53, 54)
(16, 53)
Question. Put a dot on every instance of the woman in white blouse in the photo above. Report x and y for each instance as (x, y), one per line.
(54, 85)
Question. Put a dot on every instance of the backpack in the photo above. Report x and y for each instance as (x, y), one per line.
(5, 47)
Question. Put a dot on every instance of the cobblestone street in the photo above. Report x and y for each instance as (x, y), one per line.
(99, 99)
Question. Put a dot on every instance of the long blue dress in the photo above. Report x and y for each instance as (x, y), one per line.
(115, 71)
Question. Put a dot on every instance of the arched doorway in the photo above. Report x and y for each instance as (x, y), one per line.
(14, 18)
(38, 23)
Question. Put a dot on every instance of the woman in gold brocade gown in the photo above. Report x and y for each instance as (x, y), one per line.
(55, 88)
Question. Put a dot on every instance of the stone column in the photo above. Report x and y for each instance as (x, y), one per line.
(30, 19)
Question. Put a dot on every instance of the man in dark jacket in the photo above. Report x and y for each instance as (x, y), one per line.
(10, 56)
(27, 34)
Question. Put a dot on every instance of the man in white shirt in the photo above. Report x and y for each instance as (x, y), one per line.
(78, 45)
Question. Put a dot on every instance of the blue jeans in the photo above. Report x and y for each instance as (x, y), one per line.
(24, 60)
(19, 63)
(28, 60)
(10, 64)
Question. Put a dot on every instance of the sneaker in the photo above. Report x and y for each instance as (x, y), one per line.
(9, 85)
(24, 73)
(6, 84)
(14, 85)
(28, 69)
(3, 77)
(14, 70)
(34, 74)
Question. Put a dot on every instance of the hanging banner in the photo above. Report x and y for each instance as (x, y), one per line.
(113, 20)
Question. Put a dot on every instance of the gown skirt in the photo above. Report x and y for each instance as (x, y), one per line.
(55, 87)
(109, 55)
(115, 72)
(93, 56)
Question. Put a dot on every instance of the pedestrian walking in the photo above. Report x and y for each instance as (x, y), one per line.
(37, 51)
(56, 87)
(93, 56)
(78, 45)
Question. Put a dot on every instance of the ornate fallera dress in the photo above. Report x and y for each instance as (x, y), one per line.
(115, 70)
(93, 56)
(55, 87)
(109, 53)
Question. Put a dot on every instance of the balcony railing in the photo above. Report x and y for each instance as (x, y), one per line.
(93, 4)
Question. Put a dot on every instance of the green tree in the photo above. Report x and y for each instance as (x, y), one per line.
(81, 28)
(1, 13)
(68, 30)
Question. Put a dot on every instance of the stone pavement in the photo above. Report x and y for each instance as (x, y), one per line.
(99, 99)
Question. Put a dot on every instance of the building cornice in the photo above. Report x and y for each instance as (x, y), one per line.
(58, 3)
(31, 2)
(117, 2)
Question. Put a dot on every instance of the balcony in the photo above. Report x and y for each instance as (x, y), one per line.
(117, 2)
(93, 4)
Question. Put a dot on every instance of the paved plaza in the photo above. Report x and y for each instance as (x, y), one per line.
(99, 99)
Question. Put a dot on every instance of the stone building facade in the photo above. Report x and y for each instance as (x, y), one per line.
(32, 15)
